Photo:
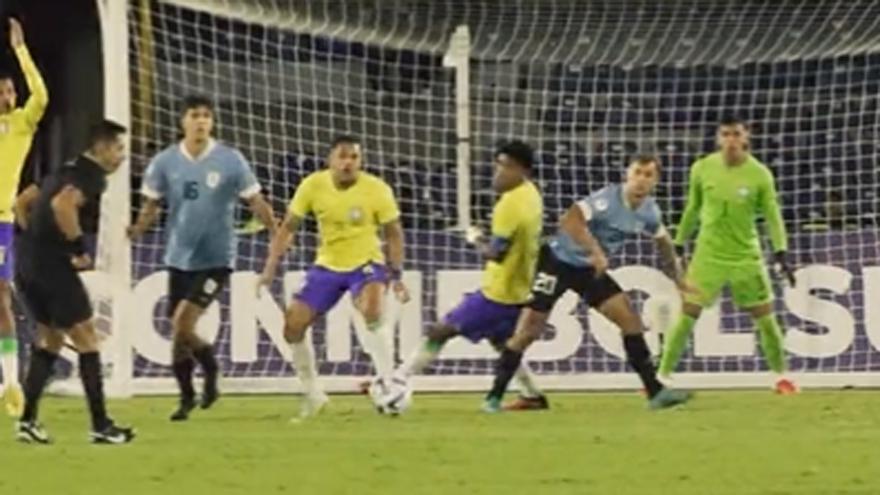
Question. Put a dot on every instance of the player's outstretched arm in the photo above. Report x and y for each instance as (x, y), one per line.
(574, 224)
(65, 206)
(23, 203)
(688, 224)
(283, 239)
(39, 98)
(263, 211)
(146, 217)
(393, 232)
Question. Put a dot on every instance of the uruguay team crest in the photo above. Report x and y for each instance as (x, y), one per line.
(212, 180)
(356, 214)
(640, 225)
(601, 204)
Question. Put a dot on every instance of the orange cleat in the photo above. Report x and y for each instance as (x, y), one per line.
(528, 404)
(364, 387)
(784, 386)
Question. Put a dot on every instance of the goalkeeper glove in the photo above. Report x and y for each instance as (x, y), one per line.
(783, 268)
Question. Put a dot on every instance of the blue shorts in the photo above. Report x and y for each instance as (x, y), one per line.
(476, 317)
(7, 231)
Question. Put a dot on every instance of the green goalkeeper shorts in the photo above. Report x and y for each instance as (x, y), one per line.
(749, 282)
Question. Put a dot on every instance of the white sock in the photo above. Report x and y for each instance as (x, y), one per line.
(380, 348)
(9, 363)
(419, 359)
(304, 363)
(526, 381)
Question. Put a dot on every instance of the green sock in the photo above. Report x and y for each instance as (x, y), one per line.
(771, 342)
(8, 345)
(674, 343)
(433, 346)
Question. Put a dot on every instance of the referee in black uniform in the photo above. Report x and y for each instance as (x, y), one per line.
(54, 218)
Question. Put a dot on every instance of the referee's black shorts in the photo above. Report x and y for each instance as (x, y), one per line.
(200, 287)
(553, 277)
(51, 290)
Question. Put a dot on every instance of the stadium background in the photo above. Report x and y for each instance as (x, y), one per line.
(588, 87)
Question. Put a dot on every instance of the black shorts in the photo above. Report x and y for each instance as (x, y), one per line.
(52, 291)
(200, 287)
(553, 277)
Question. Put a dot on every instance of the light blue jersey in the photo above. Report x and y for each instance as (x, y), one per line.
(201, 194)
(611, 221)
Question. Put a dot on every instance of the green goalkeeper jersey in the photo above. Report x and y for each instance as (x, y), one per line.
(726, 201)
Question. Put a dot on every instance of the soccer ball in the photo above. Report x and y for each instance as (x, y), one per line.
(391, 396)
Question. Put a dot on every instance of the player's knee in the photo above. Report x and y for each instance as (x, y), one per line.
(439, 333)
(297, 320)
(533, 323)
(184, 319)
(372, 316)
(760, 311)
(370, 305)
(529, 328)
(294, 333)
(295, 327)
(692, 310)
(84, 337)
(51, 341)
(630, 324)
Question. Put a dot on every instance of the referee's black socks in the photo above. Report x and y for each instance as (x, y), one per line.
(508, 363)
(39, 371)
(93, 384)
(639, 357)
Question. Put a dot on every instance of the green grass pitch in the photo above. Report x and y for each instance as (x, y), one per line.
(821, 442)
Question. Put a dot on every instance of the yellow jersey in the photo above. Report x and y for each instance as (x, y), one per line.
(348, 219)
(17, 130)
(517, 216)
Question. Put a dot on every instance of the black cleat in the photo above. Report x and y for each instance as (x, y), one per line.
(32, 432)
(113, 435)
(183, 410)
(209, 397)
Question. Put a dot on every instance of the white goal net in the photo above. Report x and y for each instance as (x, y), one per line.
(432, 86)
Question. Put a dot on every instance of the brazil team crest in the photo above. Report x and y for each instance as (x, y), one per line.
(4, 127)
(212, 180)
(356, 214)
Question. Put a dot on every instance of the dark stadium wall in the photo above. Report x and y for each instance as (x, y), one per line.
(64, 39)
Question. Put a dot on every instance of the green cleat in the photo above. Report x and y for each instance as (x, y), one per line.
(668, 398)
(492, 405)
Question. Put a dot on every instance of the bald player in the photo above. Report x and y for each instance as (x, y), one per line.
(352, 208)
(17, 128)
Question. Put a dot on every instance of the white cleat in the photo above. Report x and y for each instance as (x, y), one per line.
(312, 405)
